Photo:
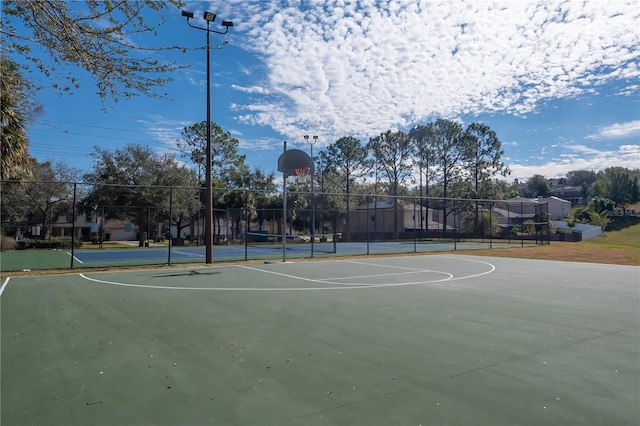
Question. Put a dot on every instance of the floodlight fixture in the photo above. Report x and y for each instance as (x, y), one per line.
(227, 24)
(209, 16)
(187, 14)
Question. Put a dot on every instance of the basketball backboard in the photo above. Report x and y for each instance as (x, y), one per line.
(292, 159)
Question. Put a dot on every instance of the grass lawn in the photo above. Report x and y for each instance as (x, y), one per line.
(620, 246)
(627, 238)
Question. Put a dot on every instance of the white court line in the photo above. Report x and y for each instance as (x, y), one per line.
(187, 253)
(4, 285)
(417, 271)
(355, 285)
(464, 277)
(492, 266)
(384, 266)
(339, 285)
(69, 253)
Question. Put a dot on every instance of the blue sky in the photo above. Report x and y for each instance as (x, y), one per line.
(559, 81)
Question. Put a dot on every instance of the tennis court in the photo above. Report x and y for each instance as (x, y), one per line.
(272, 249)
(430, 339)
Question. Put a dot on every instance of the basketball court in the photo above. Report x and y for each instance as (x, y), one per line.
(431, 339)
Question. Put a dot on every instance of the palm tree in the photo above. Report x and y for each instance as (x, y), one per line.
(14, 159)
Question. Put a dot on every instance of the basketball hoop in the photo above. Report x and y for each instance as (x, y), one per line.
(302, 173)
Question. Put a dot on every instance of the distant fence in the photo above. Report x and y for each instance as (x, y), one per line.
(54, 225)
(579, 231)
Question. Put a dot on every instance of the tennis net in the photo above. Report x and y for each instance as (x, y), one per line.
(323, 243)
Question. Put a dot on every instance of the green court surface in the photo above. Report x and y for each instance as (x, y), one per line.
(34, 259)
(434, 339)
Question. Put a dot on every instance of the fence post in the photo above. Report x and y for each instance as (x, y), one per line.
(313, 215)
(226, 228)
(50, 223)
(375, 217)
(73, 224)
(247, 220)
(368, 220)
(521, 226)
(101, 225)
(548, 226)
(148, 243)
(509, 223)
(490, 224)
(170, 220)
(455, 228)
(415, 242)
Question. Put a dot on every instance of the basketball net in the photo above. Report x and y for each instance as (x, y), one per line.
(302, 173)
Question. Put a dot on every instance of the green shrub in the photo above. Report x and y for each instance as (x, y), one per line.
(55, 243)
(7, 243)
(22, 244)
(529, 226)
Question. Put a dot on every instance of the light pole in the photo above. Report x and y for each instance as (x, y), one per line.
(208, 201)
(313, 195)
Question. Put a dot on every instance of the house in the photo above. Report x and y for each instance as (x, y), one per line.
(558, 209)
(378, 216)
(518, 210)
(84, 224)
(570, 193)
(119, 230)
(520, 188)
(376, 220)
(90, 223)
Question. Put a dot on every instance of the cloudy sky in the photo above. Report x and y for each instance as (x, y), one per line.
(559, 81)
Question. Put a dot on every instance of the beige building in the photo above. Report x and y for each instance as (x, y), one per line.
(378, 217)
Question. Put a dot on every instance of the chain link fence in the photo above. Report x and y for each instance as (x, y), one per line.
(54, 225)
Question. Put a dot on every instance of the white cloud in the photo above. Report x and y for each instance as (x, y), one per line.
(618, 131)
(260, 143)
(580, 157)
(252, 89)
(630, 149)
(164, 130)
(341, 68)
(629, 90)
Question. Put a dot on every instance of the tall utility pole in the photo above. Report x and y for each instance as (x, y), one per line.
(209, 17)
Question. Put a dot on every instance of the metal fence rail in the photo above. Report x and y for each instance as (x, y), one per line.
(53, 225)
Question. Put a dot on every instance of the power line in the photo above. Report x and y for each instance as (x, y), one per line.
(45, 123)
(97, 136)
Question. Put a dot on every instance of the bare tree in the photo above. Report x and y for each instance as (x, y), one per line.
(104, 38)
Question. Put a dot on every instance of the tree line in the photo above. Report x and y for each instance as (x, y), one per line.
(435, 162)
